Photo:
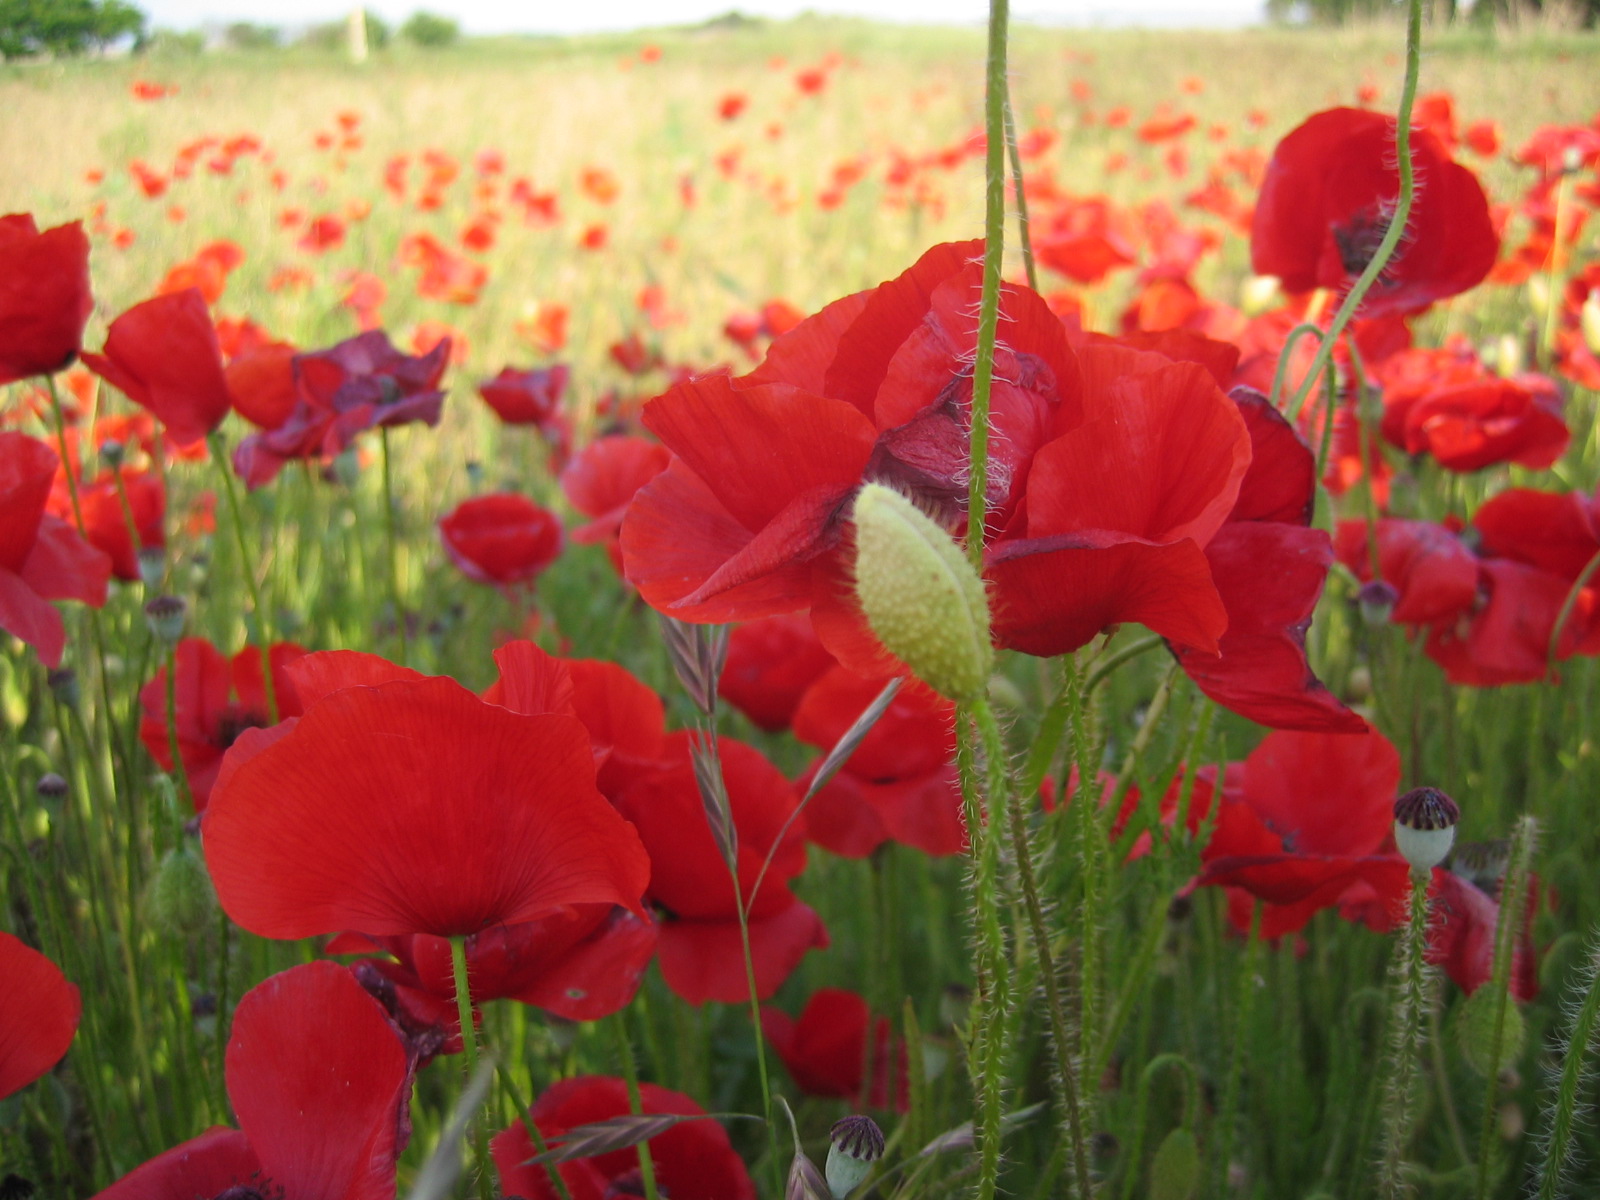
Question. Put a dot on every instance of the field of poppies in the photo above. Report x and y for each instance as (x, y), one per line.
(559, 601)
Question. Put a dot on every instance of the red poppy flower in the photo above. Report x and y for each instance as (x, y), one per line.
(105, 521)
(1447, 404)
(320, 1083)
(700, 951)
(163, 354)
(527, 397)
(693, 1160)
(502, 538)
(217, 700)
(826, 1050)
(900, 784)
(1328, 197)
(1433, 573)
(42, 558)
(1270, 567)
(770, 664)
(44, 296)
(39, 1013)
(601, 482)
(401, 804)
(261, 382)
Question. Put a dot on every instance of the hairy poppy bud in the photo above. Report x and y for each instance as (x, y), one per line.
(1175, 1170)
(180, 899)
(1425, 826)
(921, 595)
(856, 1143)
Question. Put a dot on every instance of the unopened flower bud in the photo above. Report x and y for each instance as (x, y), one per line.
(1425, 827)
(63, 684)
(51, 788)
(856, 1143)
(921, 595)
(181, 900)
(152, 565)
(1589, 320)
(1376, 601)
(112, 452)
(165, 616)
(1175, 1169)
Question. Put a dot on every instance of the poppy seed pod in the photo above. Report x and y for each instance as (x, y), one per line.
(921, 595)
(1425, 827)
(165, 615)
(855, 1143)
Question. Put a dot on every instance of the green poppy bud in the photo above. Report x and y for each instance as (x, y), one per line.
(180, 900)
(921, 595)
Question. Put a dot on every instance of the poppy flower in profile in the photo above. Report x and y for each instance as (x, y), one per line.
(826, 1049)
(163, 355)
(700, 950)
(39, 1013)
(502, 538)
(106, 522)
(403, 804)
(527, 397)
(602, 480)
(218, 698)
(1329, 196)
(42, 558)
(693, 1160)
(320, 1083)
(44, 296)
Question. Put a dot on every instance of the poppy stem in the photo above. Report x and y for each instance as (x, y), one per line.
(469, 1046)
(1567, 605)
(1243, 1021)
(263, 618)
(1513, 911)
(394, 549)
(1581, 1045)
(1367, 452)
(1408, 1001)
(1397, 221)
(179, 775)
(630, 1076)
(1024, 236)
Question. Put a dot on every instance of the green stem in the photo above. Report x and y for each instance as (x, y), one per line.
(394, 549)
(469, 1046)
(1409, 1000)
(537, 1138)
(630, 1076)
(1397, 221)
(219, 459)
(1582, 1044)
(1567, 605)
(1024, 235)
(1243, 1017)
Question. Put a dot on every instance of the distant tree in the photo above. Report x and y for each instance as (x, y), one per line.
(334, 34)
(1482, 12)
(61, 27)
(430, 30)
(245, 35)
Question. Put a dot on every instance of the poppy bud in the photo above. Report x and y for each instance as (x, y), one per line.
(1376, 601)
(1175, 1170)
(112, 452)
(921, 595)
(856, 1143)
(165, 616)
(63, 684)
(1425, 827)
(152, 565)
(180, 900)
(1475, 1024)
(52, 788)
(1589, 320)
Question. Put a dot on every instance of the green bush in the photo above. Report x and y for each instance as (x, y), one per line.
(430, 30)
(60, 27)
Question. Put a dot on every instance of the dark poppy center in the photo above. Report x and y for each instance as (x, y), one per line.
(630, 1184)
(258, 1189)
(234, 721)
(1360, 236)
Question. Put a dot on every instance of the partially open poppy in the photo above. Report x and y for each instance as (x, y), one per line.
(44, 296)
(502, 538)
(1329, 196)
(827, 1051)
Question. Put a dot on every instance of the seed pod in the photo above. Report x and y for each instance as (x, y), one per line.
(856, 1143)
(1425, 827)
(921, 595)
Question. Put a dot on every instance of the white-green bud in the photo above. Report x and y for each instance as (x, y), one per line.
(855, 1143)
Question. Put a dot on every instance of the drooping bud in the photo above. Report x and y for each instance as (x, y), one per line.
(165, 616)
(921, 595)
(1425, 827)
(180, 900)
(856, 1143)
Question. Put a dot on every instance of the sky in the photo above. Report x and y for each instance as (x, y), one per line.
(551, 16)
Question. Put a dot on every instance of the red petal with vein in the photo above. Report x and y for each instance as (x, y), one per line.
(164, 355)
(601, 481)
(1281, 482)
(531, 681)
(1325, 793)
(677, 535)
(1434, 572)
(1270, 577)
(1558, 532)
(39, 1013)
(704, 960)
(1052, 595)
(204, 1166)
(319, 1081)
(803, 355)
(327, 671)
(892, 311)
(416, 808)
(1295, 887)
(759, 449)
